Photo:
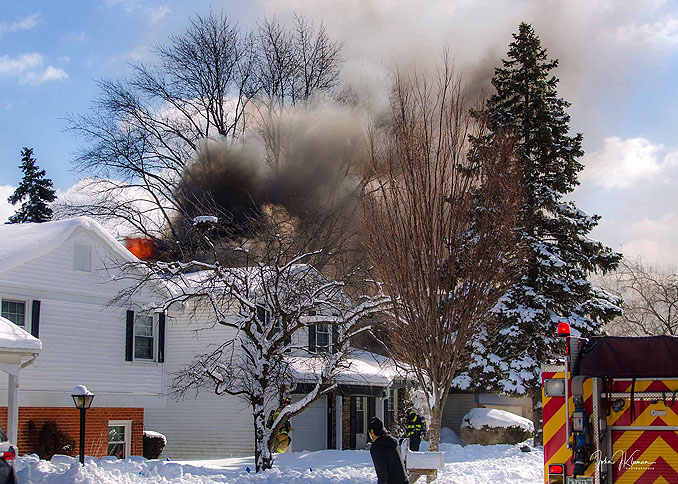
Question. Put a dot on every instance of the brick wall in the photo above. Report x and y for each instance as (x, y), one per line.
(68, 421)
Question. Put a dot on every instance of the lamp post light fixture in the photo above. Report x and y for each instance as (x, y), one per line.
(82, 398)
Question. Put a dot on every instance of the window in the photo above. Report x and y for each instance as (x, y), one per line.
(323, 337)
(390, 402)
(263, 314)
(82, 260)
(119, 438)
(360, 415)
(15, 311)
(143, 336)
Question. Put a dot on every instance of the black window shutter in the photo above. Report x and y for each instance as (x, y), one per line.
(352, 422)
(311, 338)
(35, 319)
(129, 336)
(161, 337)
(335, 338)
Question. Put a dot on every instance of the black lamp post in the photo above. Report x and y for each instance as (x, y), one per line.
(82, 398)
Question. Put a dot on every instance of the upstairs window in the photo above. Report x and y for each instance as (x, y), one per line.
(143, 336)
(82, 260)
(15, 311)
(323, 338)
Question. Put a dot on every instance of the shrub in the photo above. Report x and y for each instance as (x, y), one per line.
(50, 440)
(154, 443)
(495, 435)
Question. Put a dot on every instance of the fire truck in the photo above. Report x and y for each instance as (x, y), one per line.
(610, 411)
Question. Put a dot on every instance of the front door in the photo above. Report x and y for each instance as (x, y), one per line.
(360, 422)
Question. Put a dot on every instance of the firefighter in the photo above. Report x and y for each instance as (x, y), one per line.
(415, 427)
(283, 439)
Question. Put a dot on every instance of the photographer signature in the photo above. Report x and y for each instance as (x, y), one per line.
(624, 461)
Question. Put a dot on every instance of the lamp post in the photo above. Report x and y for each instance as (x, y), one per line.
(82, 398)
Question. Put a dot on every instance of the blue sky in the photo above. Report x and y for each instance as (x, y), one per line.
(618, 66)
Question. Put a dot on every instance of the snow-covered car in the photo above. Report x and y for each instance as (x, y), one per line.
(8, 453)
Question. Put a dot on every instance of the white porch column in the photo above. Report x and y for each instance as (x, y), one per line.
(339, 403)
(13, 408)
(380, 408)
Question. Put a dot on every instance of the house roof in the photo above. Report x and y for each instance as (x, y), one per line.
(359, 368)
(15, 338)
(21, 243)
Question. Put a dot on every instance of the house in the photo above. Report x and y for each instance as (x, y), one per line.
(203, 425)
(58, 282)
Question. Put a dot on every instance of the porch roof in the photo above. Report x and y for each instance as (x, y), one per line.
(360, 368)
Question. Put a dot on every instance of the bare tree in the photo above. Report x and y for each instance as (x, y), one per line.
(650, 299)
(439, 216)
(268, 293)
(213, 82)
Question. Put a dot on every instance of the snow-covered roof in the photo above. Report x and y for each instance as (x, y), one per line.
(360, 368)
(14, 338)
(20, 243)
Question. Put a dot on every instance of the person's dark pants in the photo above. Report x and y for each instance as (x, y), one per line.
(415, 441)
(7, 475)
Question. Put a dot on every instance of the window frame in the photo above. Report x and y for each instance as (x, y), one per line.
(153, 337)
(127, 442)
(77, 246)
(27, 319)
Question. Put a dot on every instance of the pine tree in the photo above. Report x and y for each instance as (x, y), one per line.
(559, 255)
(35, 191)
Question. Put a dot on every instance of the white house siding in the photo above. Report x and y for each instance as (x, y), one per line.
(203, 425)
(83, 336)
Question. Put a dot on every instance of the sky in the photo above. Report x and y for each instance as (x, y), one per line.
(618, 66)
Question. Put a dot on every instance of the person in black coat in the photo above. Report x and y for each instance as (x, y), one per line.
(385, 452)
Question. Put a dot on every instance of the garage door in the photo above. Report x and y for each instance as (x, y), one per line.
(310, 427)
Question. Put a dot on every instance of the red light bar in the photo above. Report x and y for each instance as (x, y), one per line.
(563, 329)
(556, 469)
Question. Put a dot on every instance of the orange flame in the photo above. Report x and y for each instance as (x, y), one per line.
(142, 247)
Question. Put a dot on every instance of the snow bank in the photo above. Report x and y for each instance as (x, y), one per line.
(473, 464)
(448, 436)
(477, 418)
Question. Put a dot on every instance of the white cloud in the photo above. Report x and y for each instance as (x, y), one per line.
(80, 36)
(20, 64)
(35, 78)
(153, 13)
(21, 23)
(662, 33)
(654, 240)
(28, 68)
(622, 163)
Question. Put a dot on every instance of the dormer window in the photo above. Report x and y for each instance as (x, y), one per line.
(82, 260)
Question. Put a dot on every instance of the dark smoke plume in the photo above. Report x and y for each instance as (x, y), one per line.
(317, 172)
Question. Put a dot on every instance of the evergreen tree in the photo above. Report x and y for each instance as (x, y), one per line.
(35, 191)
(559, 255)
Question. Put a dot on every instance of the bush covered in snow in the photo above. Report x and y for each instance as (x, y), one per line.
(154, 443)
(487, 426)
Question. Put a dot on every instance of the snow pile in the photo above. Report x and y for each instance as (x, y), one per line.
(152, 434)
(16, 338)
(448, 436)
(477, 418)
(473, 464)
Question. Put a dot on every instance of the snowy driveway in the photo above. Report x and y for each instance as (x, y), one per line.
(473, 464)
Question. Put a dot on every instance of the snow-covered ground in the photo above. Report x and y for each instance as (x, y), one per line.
(473, 464)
